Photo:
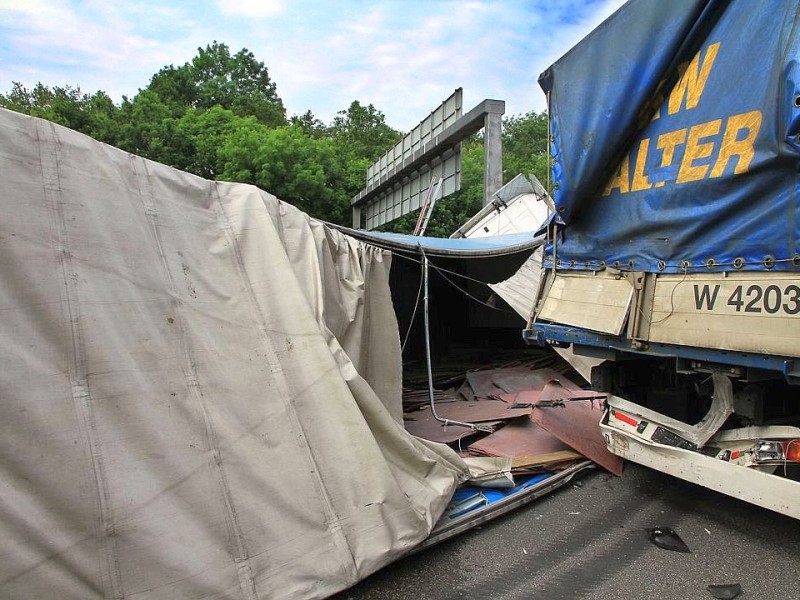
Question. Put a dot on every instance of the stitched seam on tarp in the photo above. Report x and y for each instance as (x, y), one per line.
(331, 518)
(81, 394)
(240, 557)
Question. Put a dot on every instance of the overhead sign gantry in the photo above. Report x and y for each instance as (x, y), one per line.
(397, 183)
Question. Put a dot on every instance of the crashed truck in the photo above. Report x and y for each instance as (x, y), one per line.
(202, 388)
(673, 256)
(201, 385)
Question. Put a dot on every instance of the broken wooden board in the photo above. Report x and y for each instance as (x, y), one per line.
(544, 460)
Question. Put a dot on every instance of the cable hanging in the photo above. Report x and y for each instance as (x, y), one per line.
(442, 271)
(473, 426)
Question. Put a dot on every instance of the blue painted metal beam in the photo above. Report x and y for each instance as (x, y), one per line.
(544, 333)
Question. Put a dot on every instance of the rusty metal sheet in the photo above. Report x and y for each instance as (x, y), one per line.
(424, 426)
(479, 411)
(576, 424)
(481, 382)
(523, 438)
(466, 392)
(513, 380)
(525, 397)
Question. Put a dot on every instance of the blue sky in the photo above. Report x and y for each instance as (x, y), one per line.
(403, 56)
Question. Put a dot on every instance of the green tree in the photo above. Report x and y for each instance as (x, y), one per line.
(310, 124)
(200, 134)
(176, 88)
(362, 132)
(360, 135)
(237, 82)
(215, 77)
(147, 127)
(94, 115)
(184, 115)
(525, 146)
(290, 164)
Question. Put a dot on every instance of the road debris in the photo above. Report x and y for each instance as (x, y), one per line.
(726, 591)
(666, 538)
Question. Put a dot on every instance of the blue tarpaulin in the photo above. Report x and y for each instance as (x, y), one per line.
(495, 245)
(676, 138)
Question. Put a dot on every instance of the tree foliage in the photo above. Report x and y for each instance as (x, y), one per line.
(93, 114)
(215, 77)
(525, 146)
(219, 116)
(291, 164)
(362, 132)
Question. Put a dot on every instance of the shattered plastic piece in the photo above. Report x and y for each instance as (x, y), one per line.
(469, 498)
(666, 538)
(726, 591)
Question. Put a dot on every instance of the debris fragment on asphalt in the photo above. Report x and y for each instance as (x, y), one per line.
(726, 591)
(666, 538)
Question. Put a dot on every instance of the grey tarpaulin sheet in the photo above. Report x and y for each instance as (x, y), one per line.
(199, 387)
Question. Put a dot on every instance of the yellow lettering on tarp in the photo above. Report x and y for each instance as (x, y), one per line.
(708, 148)
(744, 149)
(695, 150)
(667, 142)
(620, 179)
(640, 181)
(692, 80)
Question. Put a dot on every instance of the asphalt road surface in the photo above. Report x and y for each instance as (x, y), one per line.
(589, 540)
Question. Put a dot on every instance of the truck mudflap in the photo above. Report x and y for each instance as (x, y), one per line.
(739, 462)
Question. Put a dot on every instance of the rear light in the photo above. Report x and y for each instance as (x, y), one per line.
(792, 450)
(767, 451)
(774, 451)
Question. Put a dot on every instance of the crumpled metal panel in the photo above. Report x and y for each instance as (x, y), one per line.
(426, 427)
(481, 382)
(523, 438)
(512, 380)
(576, 424)
(480, 411)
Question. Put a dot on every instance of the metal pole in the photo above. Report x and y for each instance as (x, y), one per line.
(473, 426)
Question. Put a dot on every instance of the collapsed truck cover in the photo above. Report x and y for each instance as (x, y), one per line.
(676, 137)
(200, 387)
(479, 247)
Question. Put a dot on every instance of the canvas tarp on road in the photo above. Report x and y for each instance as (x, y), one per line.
(199, 384)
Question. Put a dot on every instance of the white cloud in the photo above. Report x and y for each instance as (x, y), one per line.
(256, 9)
(96, 44)
(403, 57)
(45, 15)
